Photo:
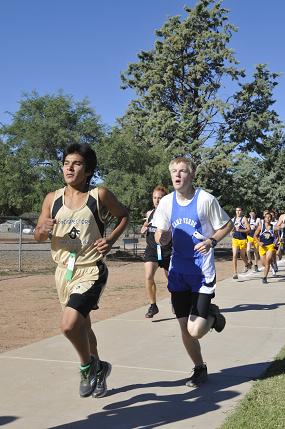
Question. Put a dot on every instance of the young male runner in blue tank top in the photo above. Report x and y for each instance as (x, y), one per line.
(252, 245)
(74, 218)
(196, 222)
(266, 235)
(239, 241)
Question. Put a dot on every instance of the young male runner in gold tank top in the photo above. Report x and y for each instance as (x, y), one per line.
(74, 218)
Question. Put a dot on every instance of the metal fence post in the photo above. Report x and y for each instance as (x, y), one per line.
(20, 248)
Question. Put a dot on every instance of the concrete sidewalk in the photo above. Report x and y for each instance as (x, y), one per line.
(39, 382)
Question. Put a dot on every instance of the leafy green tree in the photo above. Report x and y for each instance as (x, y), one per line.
(181, 108)
(252, 135)
(215, 173)
(272, 172)
(33, 144)
(6, 172)
(251, 120)
(247, 179)
(178, 82)
(131, 169)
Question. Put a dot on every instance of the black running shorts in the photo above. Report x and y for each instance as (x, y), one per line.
(87, 301)
(186, 303)
(150, 255)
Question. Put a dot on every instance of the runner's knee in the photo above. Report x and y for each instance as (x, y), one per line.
(196, 330)
(149, 277)
(69, 327)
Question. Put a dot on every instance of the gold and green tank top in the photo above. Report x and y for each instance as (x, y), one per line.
(76, 230)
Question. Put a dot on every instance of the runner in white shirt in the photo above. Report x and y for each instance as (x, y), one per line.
(252, 245)
(196, 222)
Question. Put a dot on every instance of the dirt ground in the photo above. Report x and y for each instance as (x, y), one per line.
(30, 310)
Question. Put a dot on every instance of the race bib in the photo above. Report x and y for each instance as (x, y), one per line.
(159, 256)
(70, 266)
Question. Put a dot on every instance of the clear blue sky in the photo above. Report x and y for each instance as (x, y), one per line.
(82, 46)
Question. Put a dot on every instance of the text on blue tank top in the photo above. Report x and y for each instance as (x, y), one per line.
(267, 235)
(253, 225)
(238, 234)
(185, 221)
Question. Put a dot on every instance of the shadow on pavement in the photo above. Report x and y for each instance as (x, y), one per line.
(4, 420)
(151, 410)
(163, 320)
(252, 307)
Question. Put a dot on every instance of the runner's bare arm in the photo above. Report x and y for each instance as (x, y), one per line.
(45, 222)
(218, 235)
(246, 224)
(256, 235)
(162, 237)
(117, 210)
(281, 221)
(145, 224)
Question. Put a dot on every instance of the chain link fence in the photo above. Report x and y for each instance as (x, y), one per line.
(20, 252)
(18, 249)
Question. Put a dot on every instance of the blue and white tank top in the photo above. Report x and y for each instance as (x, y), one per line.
(267, 235)
(186, 233)
(238, 234)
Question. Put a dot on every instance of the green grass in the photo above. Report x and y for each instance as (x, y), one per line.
(264, 405)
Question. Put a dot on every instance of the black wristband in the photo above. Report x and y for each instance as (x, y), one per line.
(214, 242)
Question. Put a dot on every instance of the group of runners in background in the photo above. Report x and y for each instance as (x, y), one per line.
(254, 237)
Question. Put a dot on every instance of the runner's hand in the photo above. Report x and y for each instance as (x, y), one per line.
(165, 237)
(203, 247)
(47, 225)
(103, 245)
